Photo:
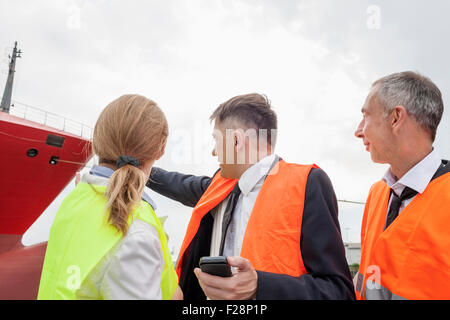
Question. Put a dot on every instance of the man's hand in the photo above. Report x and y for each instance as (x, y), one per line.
(178, 294)
(242, 285)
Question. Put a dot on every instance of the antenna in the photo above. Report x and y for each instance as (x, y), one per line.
(6, 100)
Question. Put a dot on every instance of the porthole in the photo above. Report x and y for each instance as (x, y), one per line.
(32, 152)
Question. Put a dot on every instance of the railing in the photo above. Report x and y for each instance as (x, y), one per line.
(53, 120)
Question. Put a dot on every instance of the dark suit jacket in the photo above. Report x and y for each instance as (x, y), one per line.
(321, 244)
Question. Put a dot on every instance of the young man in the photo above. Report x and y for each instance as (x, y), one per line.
(277, 222)
(404, 236)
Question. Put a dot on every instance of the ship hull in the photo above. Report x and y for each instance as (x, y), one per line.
(20, 272)
(36, 164)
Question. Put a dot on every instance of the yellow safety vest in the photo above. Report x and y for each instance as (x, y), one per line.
(81, 236)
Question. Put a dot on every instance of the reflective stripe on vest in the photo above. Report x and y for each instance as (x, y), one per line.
(272, 237)
(411, 258)
(80, 237)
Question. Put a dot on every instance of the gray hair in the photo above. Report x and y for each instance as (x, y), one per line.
(421, 98)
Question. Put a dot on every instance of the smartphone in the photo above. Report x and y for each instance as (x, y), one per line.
(217, 266)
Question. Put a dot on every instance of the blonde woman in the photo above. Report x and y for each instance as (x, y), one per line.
(106, 241)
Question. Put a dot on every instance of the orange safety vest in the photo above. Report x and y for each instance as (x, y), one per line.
(272, 238)
(411, 258)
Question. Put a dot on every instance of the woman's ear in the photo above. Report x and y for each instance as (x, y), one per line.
(161, 153)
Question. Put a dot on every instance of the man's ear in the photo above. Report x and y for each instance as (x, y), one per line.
(398, 117)
(239, 139)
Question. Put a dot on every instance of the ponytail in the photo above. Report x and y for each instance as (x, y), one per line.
(124, 191)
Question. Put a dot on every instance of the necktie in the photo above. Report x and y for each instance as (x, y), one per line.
(397, 202)
(232, 201)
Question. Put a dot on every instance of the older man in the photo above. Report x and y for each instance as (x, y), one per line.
(405, 239)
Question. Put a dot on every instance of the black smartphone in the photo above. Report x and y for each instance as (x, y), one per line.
(217, 266)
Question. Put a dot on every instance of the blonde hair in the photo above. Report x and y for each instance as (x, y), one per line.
(135, 126)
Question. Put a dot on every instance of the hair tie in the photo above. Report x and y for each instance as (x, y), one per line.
(124, 160)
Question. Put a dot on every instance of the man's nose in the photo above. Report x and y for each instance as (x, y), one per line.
(214, 154)
(358, 132)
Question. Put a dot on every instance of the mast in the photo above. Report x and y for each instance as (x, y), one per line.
(6, 100)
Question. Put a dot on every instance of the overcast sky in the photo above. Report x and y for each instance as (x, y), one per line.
(314, 59)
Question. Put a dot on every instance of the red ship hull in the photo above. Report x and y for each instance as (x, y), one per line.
(36, 163)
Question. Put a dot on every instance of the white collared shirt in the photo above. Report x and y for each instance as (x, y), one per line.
(250, 184)
(417, 178)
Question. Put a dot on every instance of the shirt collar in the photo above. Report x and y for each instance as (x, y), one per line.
(255, 173)
(101, 171)
(105, 172)
(418, 177)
